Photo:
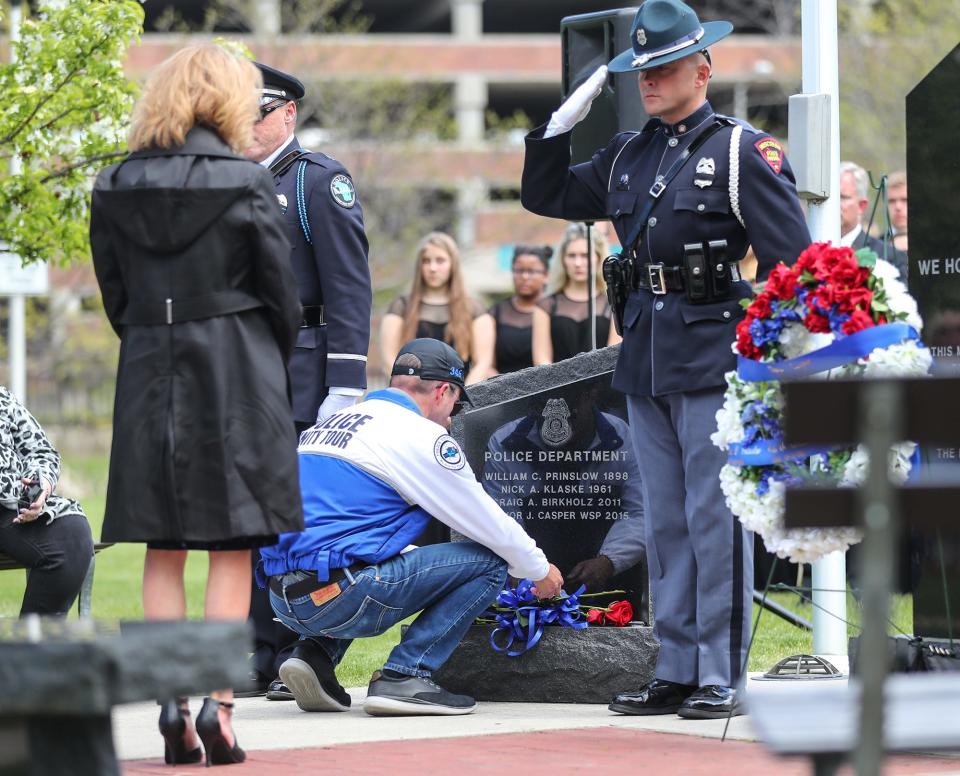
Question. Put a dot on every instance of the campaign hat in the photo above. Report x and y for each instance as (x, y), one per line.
(438, 361)
(664, 31)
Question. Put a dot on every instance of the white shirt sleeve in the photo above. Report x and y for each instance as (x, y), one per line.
(439, 479)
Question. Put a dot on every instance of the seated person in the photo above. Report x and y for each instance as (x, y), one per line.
(46, 533)
(371, 477)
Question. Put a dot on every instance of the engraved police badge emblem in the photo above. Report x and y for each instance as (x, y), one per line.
(706, 169)
(556, 429)
(641, 37)
(283, 202)
(341, 188)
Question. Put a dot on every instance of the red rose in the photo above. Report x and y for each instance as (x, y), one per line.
(595, 616)
(858, 321)
(621, 612)
(818, 324)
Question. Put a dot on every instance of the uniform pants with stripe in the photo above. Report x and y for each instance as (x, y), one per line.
(700, 557)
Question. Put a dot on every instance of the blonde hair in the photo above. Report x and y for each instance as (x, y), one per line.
(578, 231)
(457, 331)
(202, 84)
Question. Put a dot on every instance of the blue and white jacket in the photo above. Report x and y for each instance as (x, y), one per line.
(372, 476)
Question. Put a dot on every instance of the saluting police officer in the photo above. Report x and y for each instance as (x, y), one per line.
(689, 178)
(329, 256)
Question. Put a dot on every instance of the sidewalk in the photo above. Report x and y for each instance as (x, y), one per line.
(552, 739)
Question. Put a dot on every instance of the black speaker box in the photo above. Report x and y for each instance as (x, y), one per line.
(588, 41)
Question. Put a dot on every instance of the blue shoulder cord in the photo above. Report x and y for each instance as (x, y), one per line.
(301, 204)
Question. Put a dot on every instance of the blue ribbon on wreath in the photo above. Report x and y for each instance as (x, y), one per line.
(529, 616)
(764, 452)
(843, 351)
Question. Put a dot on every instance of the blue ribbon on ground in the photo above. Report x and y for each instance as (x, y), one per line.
(764, 452)
(843, 351)
(526, 606)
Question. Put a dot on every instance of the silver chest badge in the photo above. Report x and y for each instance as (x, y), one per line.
(706, 169)
(556, 429)
(283, 202)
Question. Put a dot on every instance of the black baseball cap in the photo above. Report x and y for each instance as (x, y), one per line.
(438, 361)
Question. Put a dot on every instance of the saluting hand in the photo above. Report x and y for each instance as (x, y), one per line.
(576, 107)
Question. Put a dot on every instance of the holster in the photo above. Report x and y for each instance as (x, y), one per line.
(618, 275)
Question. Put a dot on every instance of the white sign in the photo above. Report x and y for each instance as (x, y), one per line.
(17, 279)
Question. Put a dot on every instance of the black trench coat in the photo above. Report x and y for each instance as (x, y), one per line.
(192, 259)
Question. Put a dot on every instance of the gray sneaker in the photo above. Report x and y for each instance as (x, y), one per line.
(412, 695)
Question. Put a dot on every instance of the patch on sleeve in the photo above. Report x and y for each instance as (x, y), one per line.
(448, 453)
(772, 153)
(341, 188)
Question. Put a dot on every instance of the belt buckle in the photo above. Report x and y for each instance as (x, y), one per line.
(658, 283)
(657, 189)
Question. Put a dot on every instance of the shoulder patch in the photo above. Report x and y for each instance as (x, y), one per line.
(448, 453)
(772, 153)
(342, 191)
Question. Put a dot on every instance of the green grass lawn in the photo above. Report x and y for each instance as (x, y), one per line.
(117, 586)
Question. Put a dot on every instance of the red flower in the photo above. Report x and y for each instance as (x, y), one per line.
(621, 612)
(760, 306)
(846, 272)
(818, 324)
(745, 346)
(858, 321)
(782, 282)
(595, 616)
(850, 299)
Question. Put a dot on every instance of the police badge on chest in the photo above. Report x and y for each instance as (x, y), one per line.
(705, 172)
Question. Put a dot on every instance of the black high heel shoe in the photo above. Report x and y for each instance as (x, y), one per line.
(173, 725)
(214, 742)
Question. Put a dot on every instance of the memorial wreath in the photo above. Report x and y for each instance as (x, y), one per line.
(834, 313)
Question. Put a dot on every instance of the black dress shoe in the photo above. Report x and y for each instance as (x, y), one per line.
(657, 697)
(255, 685)
(309, 674)
(711, 702)
(278, 691)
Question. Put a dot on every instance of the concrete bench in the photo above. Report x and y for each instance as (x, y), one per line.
(60, 679)
(822, 720)
(85, 598)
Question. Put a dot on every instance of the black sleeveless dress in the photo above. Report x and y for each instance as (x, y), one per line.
(514, 348)
(569, 327)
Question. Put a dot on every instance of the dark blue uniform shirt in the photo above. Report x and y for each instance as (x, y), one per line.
(746, 195)
(333, 272)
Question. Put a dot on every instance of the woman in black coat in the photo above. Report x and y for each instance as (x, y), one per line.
(190, 252)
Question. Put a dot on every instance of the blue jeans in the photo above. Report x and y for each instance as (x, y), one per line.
(451, 583)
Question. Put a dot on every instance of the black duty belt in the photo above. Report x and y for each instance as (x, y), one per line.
(312, 316)
(305, 582)
(660, 279)
(144, 312)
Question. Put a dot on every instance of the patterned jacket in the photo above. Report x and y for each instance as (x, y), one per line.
(25, 452)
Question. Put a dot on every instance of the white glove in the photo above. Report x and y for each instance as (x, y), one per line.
(576, 107)
(334, 403)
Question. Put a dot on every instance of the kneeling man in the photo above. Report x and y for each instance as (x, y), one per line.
(372, 476)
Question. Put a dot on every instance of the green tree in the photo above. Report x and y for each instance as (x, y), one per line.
(886, 48)
(66, 107)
